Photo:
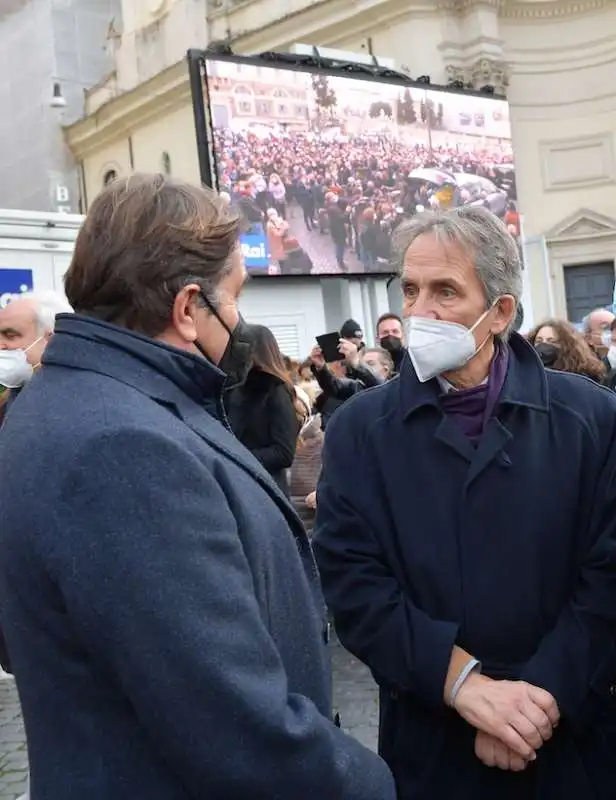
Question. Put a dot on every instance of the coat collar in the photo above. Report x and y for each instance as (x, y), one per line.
(189, 384)
(525, 383)
(154, 368)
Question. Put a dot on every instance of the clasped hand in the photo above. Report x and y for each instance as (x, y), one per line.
(513, 719)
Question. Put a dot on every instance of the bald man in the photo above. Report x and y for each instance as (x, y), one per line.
(26, 324)
(597, 332)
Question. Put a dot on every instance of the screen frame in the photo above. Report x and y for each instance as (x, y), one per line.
(202, 111)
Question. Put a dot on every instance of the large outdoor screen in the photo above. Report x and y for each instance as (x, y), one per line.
(325, 168)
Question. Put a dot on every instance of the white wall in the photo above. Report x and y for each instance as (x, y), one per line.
(294, 308)
(291, 308)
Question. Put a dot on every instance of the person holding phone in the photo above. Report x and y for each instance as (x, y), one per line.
(339, 372)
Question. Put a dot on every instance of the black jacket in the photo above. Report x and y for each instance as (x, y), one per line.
(336, 390)
(262, 416)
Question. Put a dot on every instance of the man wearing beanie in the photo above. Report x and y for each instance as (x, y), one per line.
(352, 331)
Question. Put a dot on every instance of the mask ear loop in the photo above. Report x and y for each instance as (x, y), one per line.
(30, 346)
(214, 311)
(479, 321)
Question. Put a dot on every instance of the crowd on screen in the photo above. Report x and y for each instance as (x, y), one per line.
(357, 190)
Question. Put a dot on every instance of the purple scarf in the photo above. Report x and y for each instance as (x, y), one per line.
(472, 408)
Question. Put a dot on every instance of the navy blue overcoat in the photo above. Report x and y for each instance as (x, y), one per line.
(158, 594)
(507, 549)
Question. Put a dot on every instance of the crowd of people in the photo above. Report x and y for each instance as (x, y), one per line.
(354, 193)
(163, 599)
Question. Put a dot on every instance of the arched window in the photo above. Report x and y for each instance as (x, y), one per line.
(109, 177)
(166, 162)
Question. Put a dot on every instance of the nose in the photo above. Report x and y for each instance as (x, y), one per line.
(423, 307)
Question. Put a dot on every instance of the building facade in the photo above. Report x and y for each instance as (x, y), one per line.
(42, 43)
(553, 58)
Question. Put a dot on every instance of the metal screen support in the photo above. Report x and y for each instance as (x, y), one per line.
(195, 60)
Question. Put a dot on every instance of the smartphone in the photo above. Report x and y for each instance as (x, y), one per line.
(328, 342)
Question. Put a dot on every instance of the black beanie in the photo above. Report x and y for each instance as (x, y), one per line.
(351, 330)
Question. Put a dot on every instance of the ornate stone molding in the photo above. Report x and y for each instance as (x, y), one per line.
(525, 9)
(484, 72)
(582, 224)
(549, 10)
(456, 73)
(462, 6)
(489, 72)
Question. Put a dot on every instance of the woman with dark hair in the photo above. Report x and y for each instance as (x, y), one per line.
(561, 347)
(264, 411)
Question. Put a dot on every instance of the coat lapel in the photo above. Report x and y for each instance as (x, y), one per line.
(223, 441)
(491, 446)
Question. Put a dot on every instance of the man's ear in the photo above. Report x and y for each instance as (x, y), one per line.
(505, 313)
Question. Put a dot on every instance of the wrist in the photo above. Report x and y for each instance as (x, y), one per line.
(470, 672)
(458, 660)
(467, 694)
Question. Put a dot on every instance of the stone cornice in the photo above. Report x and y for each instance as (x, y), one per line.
(121, 115)
(335, 20)
(463, 6)
(330, 19)
(551, 10)
(526, 9)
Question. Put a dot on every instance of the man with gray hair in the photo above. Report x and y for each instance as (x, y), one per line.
(466, 538)
(26, 325)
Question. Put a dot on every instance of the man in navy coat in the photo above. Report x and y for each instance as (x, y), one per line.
(159, 597)
(466, 538)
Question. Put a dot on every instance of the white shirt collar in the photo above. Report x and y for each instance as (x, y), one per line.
(447, 387)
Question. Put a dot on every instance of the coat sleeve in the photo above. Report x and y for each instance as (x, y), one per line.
(340, 388)
(365, 375)
(576, 660)
(375, 619)
(283, 429)
(161, 594)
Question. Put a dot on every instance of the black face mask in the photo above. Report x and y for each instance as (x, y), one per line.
(236, 360)
(391, 343)
(548, 353)
(395, 348)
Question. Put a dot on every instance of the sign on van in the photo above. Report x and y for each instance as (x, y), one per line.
(14, 282)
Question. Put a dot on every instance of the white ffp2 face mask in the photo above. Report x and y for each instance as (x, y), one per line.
(436, 346)
(15, 369)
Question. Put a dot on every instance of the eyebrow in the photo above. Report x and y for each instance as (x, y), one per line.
(437, 280)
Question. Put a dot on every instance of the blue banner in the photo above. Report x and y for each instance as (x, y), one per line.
(254, 248)
(14, 282)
